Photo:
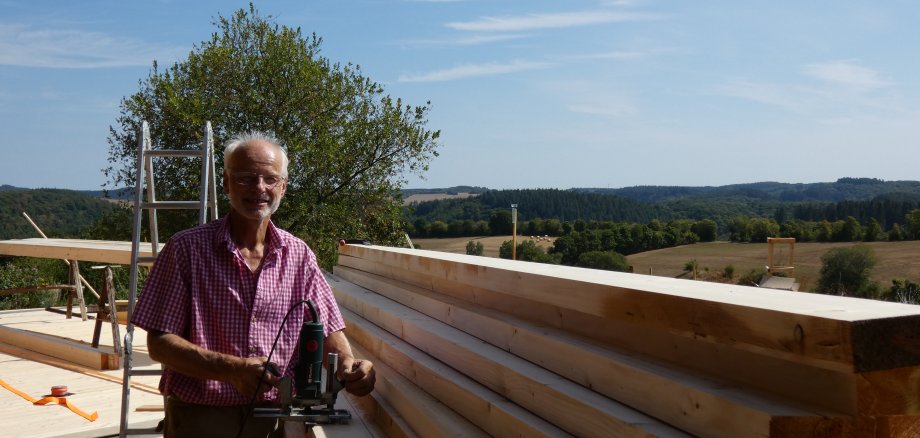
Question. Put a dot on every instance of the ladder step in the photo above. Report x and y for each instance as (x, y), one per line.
(145, 260)
(134, 372)
(172, 205)
(173, 153)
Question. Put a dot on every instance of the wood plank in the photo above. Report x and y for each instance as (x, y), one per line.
(493, 413)
(569, 406)
(423, 413)
(836, 391)
(61, 348)
(828, 331)
(101, 251)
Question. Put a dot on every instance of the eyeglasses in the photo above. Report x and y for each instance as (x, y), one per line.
(252, 179)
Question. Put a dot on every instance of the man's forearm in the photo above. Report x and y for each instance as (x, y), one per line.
(336, 342)
(184, 357)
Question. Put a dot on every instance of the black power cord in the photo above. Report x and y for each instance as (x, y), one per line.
(265, 367)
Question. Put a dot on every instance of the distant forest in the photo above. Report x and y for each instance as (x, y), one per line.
(58, 212)
(863, 199)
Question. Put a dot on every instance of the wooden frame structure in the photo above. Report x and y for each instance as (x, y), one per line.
(788, 267)
(73, 251)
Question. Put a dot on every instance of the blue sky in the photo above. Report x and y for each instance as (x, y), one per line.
(527, 94)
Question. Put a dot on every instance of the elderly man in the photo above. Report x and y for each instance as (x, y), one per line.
(216, 298)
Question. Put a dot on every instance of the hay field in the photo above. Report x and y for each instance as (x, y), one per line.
(895, 259)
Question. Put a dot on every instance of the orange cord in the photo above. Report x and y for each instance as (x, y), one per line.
(54, 400)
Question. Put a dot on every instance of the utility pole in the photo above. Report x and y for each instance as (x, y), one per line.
(513, 231)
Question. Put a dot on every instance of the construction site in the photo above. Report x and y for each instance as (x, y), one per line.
(477, 346)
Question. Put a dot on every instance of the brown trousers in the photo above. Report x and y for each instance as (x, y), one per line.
(189, 420)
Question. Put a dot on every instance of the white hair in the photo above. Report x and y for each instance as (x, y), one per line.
(252, 136)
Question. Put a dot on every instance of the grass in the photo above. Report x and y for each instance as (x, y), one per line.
(895, 259)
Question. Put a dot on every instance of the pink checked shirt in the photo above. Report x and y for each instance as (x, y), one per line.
(201, 289)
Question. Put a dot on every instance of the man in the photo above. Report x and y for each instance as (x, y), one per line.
(216, 297)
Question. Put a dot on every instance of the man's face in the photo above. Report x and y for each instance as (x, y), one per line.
(253, 180)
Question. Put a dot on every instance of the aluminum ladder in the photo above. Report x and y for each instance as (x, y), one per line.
(207, 202)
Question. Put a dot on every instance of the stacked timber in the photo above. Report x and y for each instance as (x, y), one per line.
(475, 346)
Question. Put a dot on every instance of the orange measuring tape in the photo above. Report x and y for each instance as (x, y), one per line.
(51, 400)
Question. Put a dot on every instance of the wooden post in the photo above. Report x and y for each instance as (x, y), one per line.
(513, 231)
(78, 286)
(107, 310)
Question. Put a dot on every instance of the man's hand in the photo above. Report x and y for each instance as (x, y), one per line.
(357, 375)
(245, 374)
(250, 376)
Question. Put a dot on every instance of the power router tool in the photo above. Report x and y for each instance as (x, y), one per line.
(311, 398)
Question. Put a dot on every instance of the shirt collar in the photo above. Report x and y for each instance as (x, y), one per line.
(272, 236)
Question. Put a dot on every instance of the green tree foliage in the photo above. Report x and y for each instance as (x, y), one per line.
(500, 223)
(474, 248)
(912, 224)
(847, 270)
(59, 213)
(16, 272)
(350, 145)
(527, 251)
(873, 231)
(707, 230)
(607, 260)
(895, 234)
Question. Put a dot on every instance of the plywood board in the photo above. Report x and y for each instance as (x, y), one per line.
(91, 394)
(833, 332)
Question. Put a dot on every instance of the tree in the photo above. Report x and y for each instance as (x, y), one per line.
(350, 145)
(873, 231)
(707, 230)
(500, 223)
(474, 248)
(912, 224)
(847, 270)
(607, 260)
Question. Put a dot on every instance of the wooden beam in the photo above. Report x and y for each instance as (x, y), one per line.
(493, 413)
(60, 348)
(834, 390)
(70, 366)
(694, 404)
(833, 332)
(101, 251)
(567, 405)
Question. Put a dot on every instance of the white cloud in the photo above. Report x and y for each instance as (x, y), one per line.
(474, 70)
(548, 21)
(468, 40)
(29, 47)
(845, 73)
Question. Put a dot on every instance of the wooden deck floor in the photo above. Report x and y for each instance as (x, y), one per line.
(92, 390)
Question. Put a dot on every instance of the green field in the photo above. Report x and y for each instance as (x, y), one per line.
(895, 259)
